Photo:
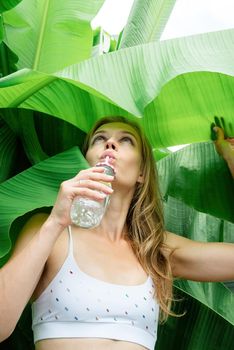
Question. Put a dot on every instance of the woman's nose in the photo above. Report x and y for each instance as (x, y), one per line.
(111, 145)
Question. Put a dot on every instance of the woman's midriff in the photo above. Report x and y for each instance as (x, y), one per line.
(86, 344)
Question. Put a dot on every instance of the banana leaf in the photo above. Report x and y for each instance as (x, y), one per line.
(199, 177)
(6, 5)
(146, 22)
(34, 188)
(8, 60)
(1, 29)
(8, 151)
(50, 36)
(198, 329)
(176, 96)
(172, 88)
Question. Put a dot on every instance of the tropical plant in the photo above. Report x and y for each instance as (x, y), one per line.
(57, 80)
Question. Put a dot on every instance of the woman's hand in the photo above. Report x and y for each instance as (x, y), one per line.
(87, 183)
(224, 145)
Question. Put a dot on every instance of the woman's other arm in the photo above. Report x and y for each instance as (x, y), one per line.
(201, 261)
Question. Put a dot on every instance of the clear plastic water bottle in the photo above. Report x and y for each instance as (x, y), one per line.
(88, 213)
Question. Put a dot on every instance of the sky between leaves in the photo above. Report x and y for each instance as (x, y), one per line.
(188, 17)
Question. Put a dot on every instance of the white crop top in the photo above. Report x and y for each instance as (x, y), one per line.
(76, 305)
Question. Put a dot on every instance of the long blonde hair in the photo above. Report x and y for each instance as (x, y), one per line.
(145, 221)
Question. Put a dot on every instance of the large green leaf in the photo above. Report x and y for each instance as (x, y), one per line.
(49, 35)
(8, 60)
(1, 29)
(63, 134)
(8, 150)
(146, 22)
(199, 177)
(198, 329)
(58, 97)
(35, 188)
(144, 86)
(173, 86)
(6, 5)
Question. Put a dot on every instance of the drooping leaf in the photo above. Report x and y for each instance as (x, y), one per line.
(62, 134)
(22, 123)
(176, 95)
(35, 188)
(146, 22)
(8, 151)
(198, 329)
(8, 60)
(1, 29)
(60, 98)
(199, 177)
(6, 5)
(51, 30)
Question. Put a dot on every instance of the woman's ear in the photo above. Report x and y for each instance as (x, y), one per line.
(140, 179)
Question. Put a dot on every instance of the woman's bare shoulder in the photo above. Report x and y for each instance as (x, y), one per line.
(31, 227)
(173, 242)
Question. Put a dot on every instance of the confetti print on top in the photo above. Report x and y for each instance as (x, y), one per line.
(75, 297)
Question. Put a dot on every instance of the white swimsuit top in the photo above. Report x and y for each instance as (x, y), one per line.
(76, 305)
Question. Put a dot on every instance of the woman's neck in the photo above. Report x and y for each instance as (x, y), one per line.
(113, 225)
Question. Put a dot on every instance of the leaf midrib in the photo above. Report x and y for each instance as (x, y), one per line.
(152, 35)
(41, 36)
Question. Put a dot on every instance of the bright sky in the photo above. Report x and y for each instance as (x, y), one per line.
(188, 16)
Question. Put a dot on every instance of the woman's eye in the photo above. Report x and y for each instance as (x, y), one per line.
(127, 139)
(98, 138)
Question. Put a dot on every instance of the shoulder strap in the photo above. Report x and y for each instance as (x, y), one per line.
(70, 251)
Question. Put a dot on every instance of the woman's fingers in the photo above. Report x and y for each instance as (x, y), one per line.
(219, 133)
(93, 185)
(93, 178)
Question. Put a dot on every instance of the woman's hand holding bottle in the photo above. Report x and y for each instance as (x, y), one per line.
(89, 183)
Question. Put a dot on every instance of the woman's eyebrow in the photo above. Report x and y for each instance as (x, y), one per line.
(129, 133)
(99, 132)
(103, 131)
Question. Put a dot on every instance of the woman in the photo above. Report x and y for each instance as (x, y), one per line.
(102, 288)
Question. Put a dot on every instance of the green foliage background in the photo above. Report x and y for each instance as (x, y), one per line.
(57, 79)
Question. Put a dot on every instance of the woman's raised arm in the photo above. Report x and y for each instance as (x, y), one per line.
(201, 261)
